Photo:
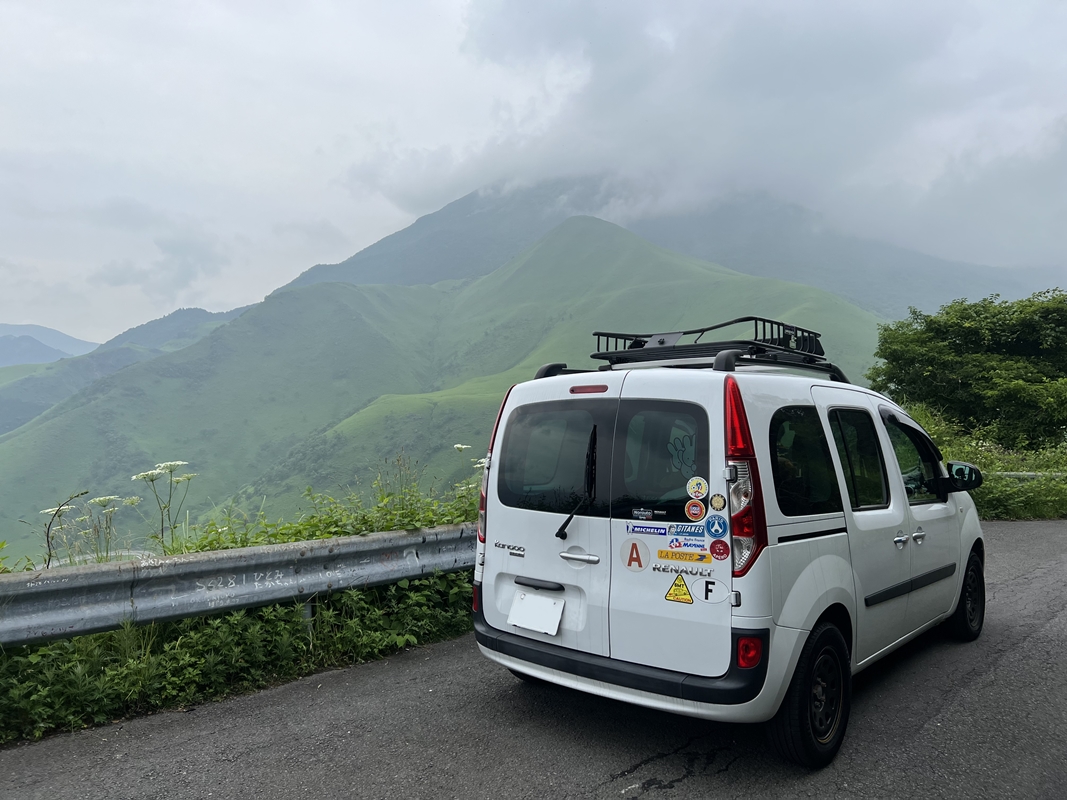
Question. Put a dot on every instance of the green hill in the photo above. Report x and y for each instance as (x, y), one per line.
(319, 384)
(50, 337)
(756, 235)
(29, 393)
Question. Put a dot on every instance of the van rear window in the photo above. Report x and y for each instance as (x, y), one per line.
(543, 456)
(659, 446)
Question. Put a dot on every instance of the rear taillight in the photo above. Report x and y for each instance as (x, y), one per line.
(749, 651)
(476, 596)
(485, 470)
(748, 526)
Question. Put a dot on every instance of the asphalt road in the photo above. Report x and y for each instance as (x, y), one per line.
(935, 719)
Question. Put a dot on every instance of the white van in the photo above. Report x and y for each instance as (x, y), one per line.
(727, 530)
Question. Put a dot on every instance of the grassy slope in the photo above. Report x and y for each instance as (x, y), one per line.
(43, 387)
(537, 309)
(9, 374)
(228, 404)
(318, 384)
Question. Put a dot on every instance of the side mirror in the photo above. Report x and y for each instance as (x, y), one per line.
(963, 477)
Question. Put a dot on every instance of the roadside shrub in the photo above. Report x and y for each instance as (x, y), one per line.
(89, 680)
(1001, 497)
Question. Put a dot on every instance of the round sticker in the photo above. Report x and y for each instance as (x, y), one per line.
(697, 488)
(716, 526)
(694, 509)
(720, 550)
(718, 502)
(635, 556)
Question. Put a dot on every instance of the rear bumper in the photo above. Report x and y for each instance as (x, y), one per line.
(737, 687)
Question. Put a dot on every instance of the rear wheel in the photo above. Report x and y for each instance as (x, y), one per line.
(966, 623)
(810, 725)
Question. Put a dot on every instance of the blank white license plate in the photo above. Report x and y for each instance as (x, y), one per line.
(536, 612)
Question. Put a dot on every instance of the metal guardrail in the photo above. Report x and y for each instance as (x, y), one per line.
(1029, 476)
(69, 601)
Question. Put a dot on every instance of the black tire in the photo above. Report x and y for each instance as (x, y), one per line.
(967, 621)
(810, 726)
(530, 679)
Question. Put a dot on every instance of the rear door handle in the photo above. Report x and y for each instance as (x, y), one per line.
(918, 536)
(900, 541)
(584, 558)
(536, 583)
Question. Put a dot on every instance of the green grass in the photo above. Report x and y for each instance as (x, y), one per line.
(1002, 497)
(14, 373)
(315, 385)
(88, 680)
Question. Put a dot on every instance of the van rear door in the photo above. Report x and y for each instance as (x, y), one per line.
(555, 440)
(672, 575)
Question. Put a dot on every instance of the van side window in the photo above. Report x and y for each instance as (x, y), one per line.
(861, 458)
(659, 446)
(917, 462)
(804, 478)
(542, 456)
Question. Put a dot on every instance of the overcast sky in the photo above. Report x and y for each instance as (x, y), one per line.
(157, 155)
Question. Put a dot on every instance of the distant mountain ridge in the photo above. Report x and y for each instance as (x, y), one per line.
(16, 350)
(27, 397)
(50, 338)
(753, 234)
(317, 384)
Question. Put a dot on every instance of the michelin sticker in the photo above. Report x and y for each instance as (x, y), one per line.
(697, 488)
(635, 555)
(658, 530)
(717, 527)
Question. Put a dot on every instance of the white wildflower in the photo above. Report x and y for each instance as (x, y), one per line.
(58, 510)
(131, 501)
(462, 447)
(151, 476)
(104, 502)
(184, 478)
(170, 466)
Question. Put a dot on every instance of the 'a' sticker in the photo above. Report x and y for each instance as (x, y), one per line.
(679, 592)
(635, 555)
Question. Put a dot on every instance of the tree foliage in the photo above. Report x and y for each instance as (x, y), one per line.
(995, 366)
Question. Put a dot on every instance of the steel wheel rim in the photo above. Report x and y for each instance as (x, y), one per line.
(826, 692)
(972, 595)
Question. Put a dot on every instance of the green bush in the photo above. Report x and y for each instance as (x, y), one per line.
(1002, 497)
(89, 680)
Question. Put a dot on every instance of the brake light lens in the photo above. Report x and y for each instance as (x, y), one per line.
(476, 597)
(749, 651)
(747, 522)
(599, 388)
(485, 469)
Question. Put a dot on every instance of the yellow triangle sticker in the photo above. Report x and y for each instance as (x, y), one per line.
(679, 592)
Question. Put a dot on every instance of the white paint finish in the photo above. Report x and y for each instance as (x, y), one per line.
(646, 628)
(877, 562)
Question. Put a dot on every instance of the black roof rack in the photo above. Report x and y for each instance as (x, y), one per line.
(772, 342)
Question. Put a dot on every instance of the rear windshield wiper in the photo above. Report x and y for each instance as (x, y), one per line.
(590, 483)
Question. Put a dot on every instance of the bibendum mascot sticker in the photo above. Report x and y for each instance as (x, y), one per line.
(697, 488)
(635, 555)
